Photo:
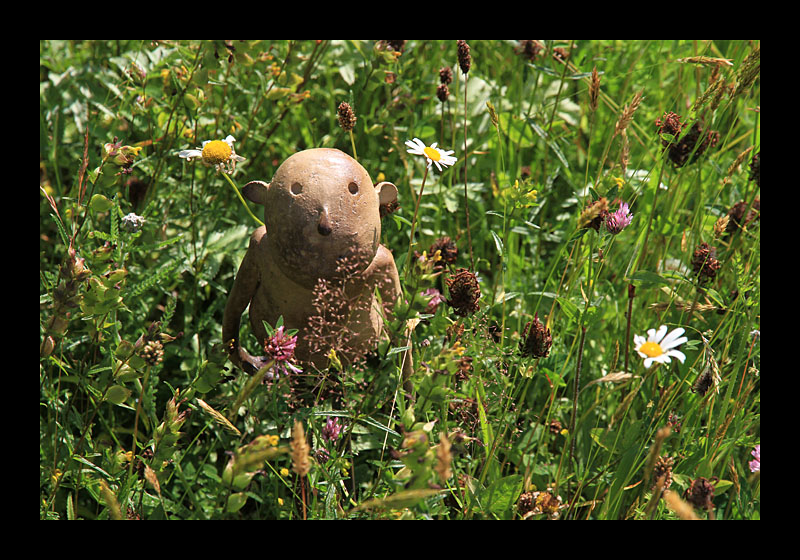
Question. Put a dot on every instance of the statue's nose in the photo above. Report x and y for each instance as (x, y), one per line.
(324, 225)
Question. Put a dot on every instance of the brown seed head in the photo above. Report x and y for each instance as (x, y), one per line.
(594, 89)
(464, 292)
(442, 92)
(347, 117)
(464, 58)
(536, 339)
(445, 75)
(704, 263)
(700, 493)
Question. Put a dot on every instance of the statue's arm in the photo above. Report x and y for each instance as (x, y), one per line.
(244, 288)
(390, 290)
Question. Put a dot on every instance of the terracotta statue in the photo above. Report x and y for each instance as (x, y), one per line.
(320, 208)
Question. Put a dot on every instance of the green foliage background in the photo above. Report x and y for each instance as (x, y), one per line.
(211, 444)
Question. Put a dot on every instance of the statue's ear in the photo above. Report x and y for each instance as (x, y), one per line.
(387, 193)
(256, 191)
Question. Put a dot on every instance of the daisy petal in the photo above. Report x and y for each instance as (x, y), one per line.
(677, 354)
(673, 339)
(189, 154)
(662, 330)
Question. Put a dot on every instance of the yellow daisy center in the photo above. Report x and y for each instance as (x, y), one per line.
(432, 153)
(216, 152)
(652, 349)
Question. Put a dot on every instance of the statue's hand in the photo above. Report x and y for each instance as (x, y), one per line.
(247, 363)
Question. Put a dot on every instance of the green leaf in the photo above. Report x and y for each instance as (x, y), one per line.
(517, 130)
(117, 394)
(502, 494)
(499, 244)
(100, 203)
(235, 502)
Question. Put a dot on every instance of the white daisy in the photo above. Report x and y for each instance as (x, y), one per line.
(217, 153)
(658, 347)
(432, 153)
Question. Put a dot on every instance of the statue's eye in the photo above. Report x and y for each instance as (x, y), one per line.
(353, 188)
(297, 188)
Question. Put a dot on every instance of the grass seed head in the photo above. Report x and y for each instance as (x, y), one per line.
(464, 58)
(347, 117)
(301, 462)
(594, 89)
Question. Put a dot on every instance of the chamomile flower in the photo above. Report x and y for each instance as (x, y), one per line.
(432, 153)
(216, 153)
(659, 346)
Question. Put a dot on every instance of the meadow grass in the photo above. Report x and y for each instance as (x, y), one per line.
(531, 401)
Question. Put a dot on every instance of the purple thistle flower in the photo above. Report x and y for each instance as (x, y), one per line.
(755, 464)
(619, 220)
(280, 347)
(332, 429)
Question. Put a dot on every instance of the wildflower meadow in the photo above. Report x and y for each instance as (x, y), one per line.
(576, 327)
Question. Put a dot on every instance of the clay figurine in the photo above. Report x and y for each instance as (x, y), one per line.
(319, 208)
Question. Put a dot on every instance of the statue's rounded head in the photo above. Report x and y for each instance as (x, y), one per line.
(320, 206)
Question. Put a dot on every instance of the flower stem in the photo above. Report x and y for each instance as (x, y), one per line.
(631, 294)
(575, 396)
(466, 160)
(236, 190)
(353, 143)
(414, 221)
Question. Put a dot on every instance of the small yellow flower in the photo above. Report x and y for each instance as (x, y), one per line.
(284, 471)
(431, 153)
(216, 153)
